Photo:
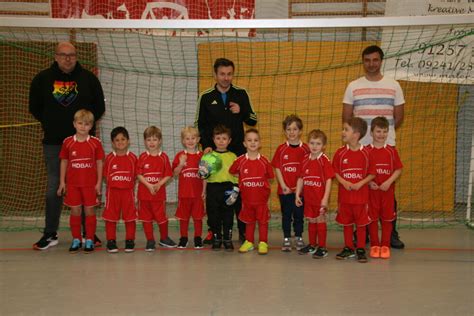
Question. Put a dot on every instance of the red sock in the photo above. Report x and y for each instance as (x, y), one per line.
(312, 233)
(110, 230)
(91, 226)
(148, 230)
(183, 228)
(386, 233)
(348, 237)
(75, 225)
(197, 227)
(374, 233)
(250, 232)
(163, 230)
(263, 232)
(361, 232)
(322, 230)
(130, 229)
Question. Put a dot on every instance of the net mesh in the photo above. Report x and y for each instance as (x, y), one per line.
(153, 77)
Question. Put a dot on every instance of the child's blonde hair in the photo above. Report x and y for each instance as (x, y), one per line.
(317, 133)
(152, 131)
(189, 130)
(84, 116)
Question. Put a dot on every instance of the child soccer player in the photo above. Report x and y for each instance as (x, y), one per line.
(219, 184)
(314, 183)
(120, 176)
(353, 172)
(287, 163)
(382, 189)
(81, 178)
(254, 171)
(153, 171)
(190, 187)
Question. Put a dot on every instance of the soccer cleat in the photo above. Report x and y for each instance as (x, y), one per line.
(375, 252)
(183, 242)
(89, 246)
(308, 250)
(361, 257)
(228, 245)
(129, 245)
(262, 248)
(286, 247)
(395, 241)
(150, 245)
(112, 246)
(299, 243)
(76, 245)
(46, 241)
(246, 247)
(320, 253)
(209, 238)
(168, 243)
(198, 242)
(97, 242)
(385, 252)
(346, 253)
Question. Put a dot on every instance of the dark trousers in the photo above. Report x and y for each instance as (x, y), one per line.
(240, 224)
(291, 213)
(220, 217)
(53, 201)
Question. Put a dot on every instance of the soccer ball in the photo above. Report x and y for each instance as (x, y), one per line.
(210, 164)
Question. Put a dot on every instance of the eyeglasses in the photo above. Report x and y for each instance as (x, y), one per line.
(63, 55)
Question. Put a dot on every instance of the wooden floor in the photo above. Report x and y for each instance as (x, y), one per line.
(434, 275)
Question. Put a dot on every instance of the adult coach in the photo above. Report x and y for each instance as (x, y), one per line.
(228, 105)
(375, 95)
(56, 93)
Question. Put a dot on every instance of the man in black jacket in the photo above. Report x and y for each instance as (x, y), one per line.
(56, 93)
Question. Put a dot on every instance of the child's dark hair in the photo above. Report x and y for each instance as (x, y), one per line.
(119, 130)
(358, 125)
(372, 49)
(379, 121)
(317, 133)
(292, 118)
(221, 129)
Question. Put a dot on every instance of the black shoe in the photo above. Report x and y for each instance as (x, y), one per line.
(346, 253)
(183, 242)
(97, 242)
(320, 253)
(228, 245)
(197, 242)
(46, 241)
(395, 241)
(168, 243)
(361, 257)
(308, 250)
(216, 244)
(112, 246)
(129, 245)
(150, 245)
(75, 246)
(209, 238)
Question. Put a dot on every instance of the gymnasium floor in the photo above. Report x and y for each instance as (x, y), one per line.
(434, 275)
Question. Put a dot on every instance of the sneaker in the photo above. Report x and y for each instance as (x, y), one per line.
(168, 243)
(246, 247)
(308, 250)
(286, 245)
(299, 243)
(150, 245)
(97, 242)
(395, 241)
(75, 246)
(375, 252)
(216, 244)
(320, 253)
(346, 253)
(262, 248)
(46, 241)
(89, 246)
(228, 245)
(198, 242)
(183, 242)
(209, 238)
(361, 257)
(385, 252)
(112, 246)
(129, 245)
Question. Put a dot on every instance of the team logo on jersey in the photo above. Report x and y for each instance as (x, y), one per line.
(285, 157)
(65, 92)
(306, 171)
(246, 170)
(214, 102)
(345, 161)
(146, 166)
(114, 167)
(74, 153)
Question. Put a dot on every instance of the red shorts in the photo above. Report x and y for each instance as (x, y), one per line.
(349, 214)
(254, 213)
(381, 206)
(80, 196)
(120, 202)
(152, 210)
(190, 207)
(315, 212)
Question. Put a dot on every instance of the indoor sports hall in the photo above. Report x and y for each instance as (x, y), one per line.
(154, 60)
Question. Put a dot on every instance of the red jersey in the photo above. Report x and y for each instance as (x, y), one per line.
(82, 160)
(353, 166)
(120, 171)
(386, 161)
(315, 173)
(288, 159)
(189, 183)
(253, 178)
(153, 168)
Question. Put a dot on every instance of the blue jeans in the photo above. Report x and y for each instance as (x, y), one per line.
(291, 213)
(53, 201)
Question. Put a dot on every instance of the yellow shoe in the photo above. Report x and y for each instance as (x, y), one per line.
(262, 248)
(246, 247)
